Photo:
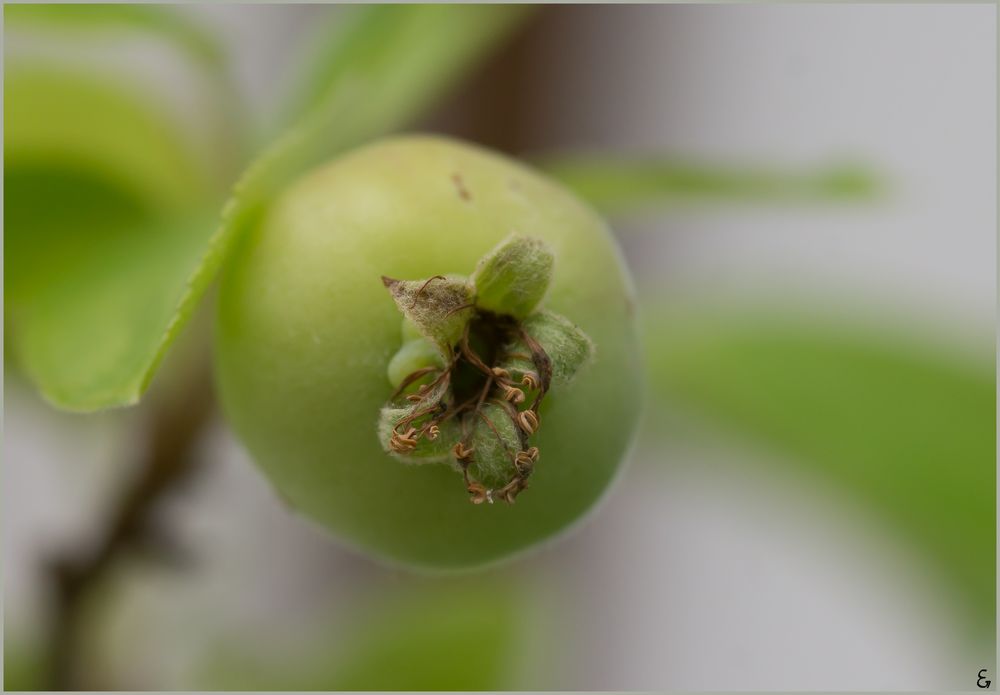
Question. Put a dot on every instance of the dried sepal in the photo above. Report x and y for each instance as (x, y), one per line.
(512, 278)
(440, 307)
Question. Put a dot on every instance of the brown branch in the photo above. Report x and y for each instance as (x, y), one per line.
(175, 427)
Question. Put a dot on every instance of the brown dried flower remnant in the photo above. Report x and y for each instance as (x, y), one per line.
(477, 361)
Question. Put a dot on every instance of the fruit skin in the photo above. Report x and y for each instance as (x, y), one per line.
(306, 329)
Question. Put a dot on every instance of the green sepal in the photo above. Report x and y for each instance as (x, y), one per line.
(495, 442)
(427, 450)
(413, 355)
(568, 348)
(440, 307)
(512, 278)
(436, 450)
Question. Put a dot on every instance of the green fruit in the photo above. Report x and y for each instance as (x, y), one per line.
(306, 331)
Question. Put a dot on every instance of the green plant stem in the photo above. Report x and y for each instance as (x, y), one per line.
(175, 428)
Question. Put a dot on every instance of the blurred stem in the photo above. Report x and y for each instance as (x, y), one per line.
(175, 426)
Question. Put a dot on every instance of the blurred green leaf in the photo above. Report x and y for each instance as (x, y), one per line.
(161, 20)
(72, 120)
(441, 638)
(907, 428)
(392, 61)
(102, 285)
(94, 331)
(615, 185)
(464, 640)
(99, 193)
(380, 67)
(80, 34)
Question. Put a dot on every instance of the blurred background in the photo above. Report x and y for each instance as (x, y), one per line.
(811, 501)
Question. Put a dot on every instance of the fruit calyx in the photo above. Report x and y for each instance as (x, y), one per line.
(477, 360)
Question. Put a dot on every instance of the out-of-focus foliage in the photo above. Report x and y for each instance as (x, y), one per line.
(108, 250)
(23, 667)
(438, 637)
(391, 62)
(102, 211)
(616, 185)
(118, 19)
(62, 119)
(81, 33)
(906, 428)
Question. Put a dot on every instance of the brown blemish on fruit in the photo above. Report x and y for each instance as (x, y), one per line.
(463, 192)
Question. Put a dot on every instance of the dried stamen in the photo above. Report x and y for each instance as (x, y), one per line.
(512, 393)
(403, 443)
(528, 421)
(462, 453)
(478, 493)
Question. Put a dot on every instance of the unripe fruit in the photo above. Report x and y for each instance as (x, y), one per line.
(307, 331)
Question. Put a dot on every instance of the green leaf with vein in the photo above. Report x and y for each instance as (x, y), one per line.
(91, 327)
(616, 185)
(906, 428)
(95, 329)
(451, 637)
